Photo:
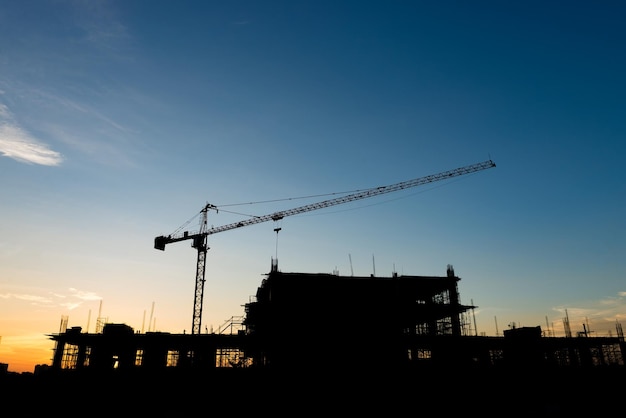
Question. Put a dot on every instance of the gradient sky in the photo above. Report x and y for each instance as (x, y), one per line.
(120, 120)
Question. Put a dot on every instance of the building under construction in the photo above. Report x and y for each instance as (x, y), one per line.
(304, 321)
(324, 342)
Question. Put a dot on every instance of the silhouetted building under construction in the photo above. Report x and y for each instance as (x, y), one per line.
(303, 321)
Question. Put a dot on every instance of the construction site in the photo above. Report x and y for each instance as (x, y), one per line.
(356, 344)
(325, 322)
(395, 340)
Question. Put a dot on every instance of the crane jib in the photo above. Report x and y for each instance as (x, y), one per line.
(356, 196)
(276, 216)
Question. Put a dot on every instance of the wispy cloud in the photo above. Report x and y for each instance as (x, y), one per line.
(21, 146)
(71, 305)
(600, 315)
(100, 24)
(70, 104)
(84, 295)
(26, 297)
(72, 300)
(81, 295)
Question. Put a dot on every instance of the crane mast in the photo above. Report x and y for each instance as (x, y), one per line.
(199, 239)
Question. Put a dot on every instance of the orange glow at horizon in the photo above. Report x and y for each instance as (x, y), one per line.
(23, 353)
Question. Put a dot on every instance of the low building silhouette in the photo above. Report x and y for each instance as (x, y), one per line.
(331, 323)
(323, 342)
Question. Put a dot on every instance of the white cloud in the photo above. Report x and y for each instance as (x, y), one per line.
(75, 298)
(70, 306)
(21, 146)
(81, 294)
(4, 111)
(30, 298)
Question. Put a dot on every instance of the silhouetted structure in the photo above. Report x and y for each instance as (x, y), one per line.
(331, 323)
(322, 342)
(356, 345)
(328, 321)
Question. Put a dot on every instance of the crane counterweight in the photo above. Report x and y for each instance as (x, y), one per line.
(159, 243)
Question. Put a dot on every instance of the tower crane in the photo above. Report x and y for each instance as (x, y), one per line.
(199, 239)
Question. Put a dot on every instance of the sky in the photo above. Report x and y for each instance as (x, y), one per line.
(120, 120)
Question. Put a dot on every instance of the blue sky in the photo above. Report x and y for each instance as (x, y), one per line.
(120, 120)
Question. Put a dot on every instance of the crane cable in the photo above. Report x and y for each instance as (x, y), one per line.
(434, 186)
(357, 191)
